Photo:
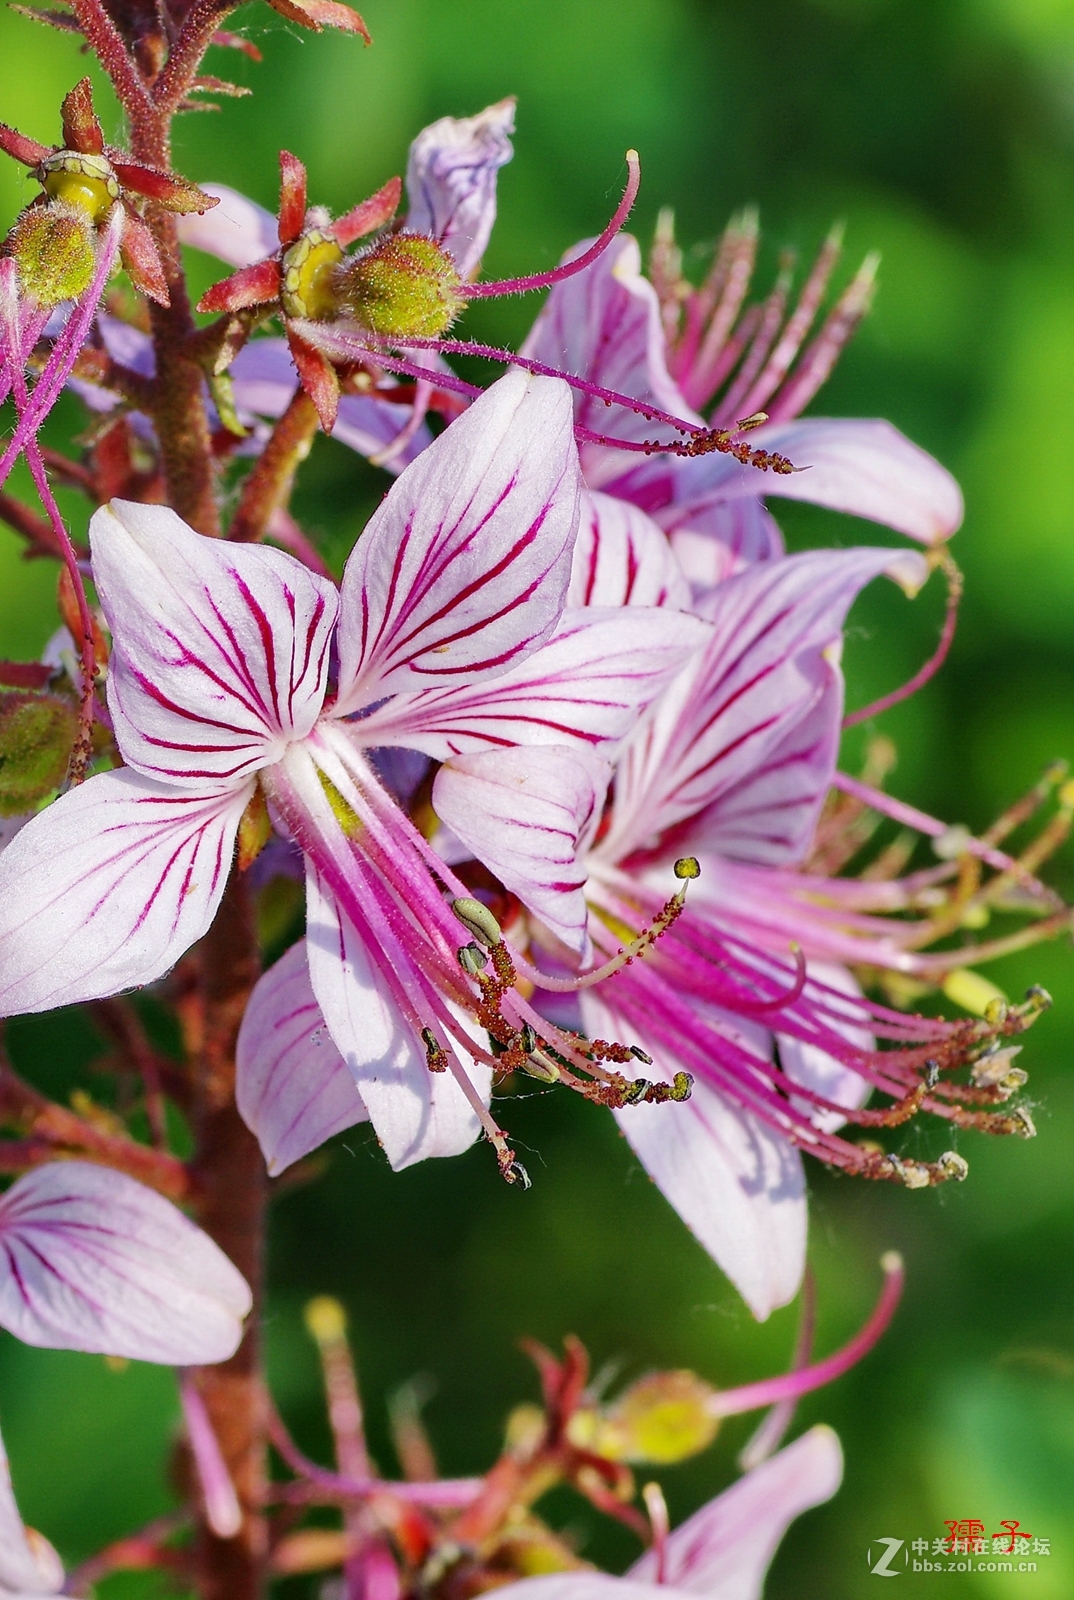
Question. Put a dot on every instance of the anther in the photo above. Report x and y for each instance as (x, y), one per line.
(435, 1057)
(472, 959)
(932, 1074)
(478, 920)
(639, 1055)
(1023, 1124)
(953, 1166)
(687, 866)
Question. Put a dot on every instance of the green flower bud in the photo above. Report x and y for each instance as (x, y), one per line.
(405, 285)
(36, 736)
(53, 246)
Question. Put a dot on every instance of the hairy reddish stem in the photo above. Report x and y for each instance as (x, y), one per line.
(230, 1181)
(268, 488)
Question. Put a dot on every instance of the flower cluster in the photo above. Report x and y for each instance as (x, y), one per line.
(556, 761)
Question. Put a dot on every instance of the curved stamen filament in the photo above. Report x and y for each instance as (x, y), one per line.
(543, 280)
(790, 1385)
(954, 596)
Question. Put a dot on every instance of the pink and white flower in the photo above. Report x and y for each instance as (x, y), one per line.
(218, 694)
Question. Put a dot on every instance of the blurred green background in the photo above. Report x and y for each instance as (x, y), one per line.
(943, 132)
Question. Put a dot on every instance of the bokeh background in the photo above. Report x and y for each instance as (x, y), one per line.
(943, 132)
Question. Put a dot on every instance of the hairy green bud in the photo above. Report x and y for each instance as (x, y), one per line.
(405, 285)
(53, 246)
(37, 732)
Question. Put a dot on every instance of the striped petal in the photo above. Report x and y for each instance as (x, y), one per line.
(293, 1088)
(106, 888)
(451, 181)
(528, 815)
(415, 1113)
(621, 558)
(712, 542)
(220, 651)
(588, 686)
(744, 741)
(463, 570)
(92, 1260)
(604, 325)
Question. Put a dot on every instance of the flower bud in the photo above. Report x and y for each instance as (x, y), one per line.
(53, 247)
(405, 285)
(36, 736)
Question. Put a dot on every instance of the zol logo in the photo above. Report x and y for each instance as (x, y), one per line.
(883, 1556)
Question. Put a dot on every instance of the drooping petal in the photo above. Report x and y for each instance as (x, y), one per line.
(587, 686)
(744, 741)
(859, 465)
(106, 888)
(220, 651)
(451, 180)
(528, 814)
(604, 325)
(462, 571)
(92, 1260)
(293, 1088)
(621, 558)
(237, 230)
(28, 1563)
(724, 1550)
(415, 1113)
(736, 1184)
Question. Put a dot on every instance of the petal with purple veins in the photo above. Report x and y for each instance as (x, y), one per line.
(451, 180)
(622, 558)
(220, 651)
(91, 1260)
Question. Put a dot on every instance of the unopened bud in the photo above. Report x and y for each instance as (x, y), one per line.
(663, 1418)
(405, 284)
(954, 1166)
(37, 733)
(326, 1320)
(53, 247)
(478, 920)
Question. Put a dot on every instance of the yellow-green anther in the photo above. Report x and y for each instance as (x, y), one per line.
(54, 249)
(309, 270)
(405, 284)
(687, 867)
(954, 1166)
(86, 182)
(478, 921)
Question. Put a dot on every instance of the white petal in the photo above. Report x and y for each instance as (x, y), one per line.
(293, 1088)
(587, 686)
(416, 1113)
(463, 570)
(527, 814)
(451, 180)
(28, 1563)
(736, 1184)
(106, 888)
(815, 1069)
(713, 542)
(621, 558)
(220, 651)
(724, 1550)
(92, 1260)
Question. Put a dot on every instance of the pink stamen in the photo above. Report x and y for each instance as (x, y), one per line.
(791, 1385)
(798, 325)
(544, 280)
(932, 665)
(222, 1510)
(822, 354)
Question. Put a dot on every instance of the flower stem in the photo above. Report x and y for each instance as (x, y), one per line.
(268, 488)
(229, 1176)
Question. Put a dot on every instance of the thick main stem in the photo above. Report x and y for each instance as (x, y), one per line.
(229, 1175)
